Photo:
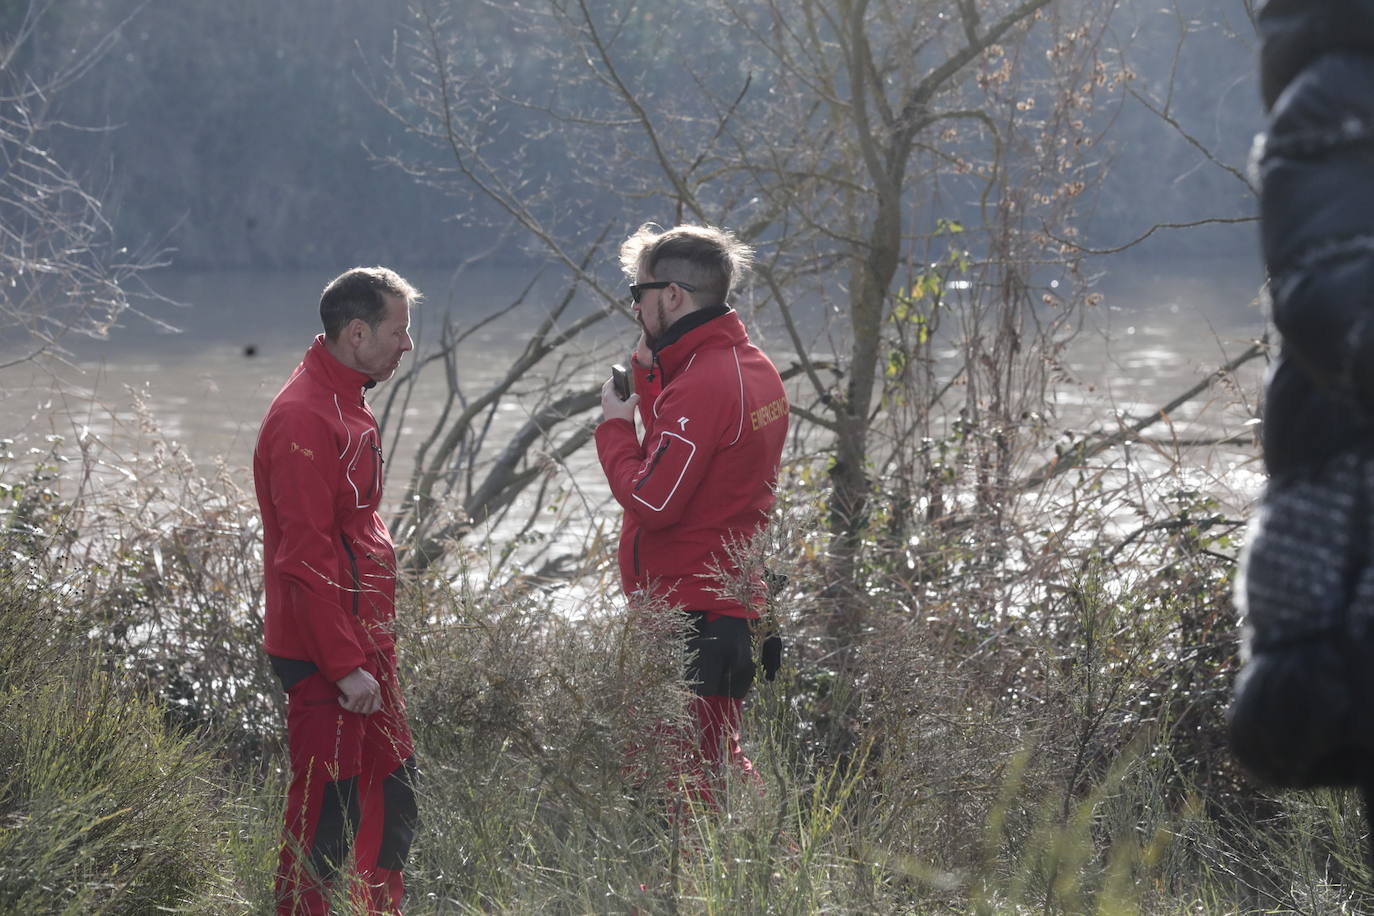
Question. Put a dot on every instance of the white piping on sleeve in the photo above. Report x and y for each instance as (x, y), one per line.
(740, 374)
(338, 408)
(351, 465)
(348, 475)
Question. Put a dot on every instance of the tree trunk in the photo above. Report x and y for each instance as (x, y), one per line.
(870, 280)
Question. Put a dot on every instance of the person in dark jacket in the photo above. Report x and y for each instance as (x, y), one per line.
(715, 418)
(1303, 709)
(330, 583)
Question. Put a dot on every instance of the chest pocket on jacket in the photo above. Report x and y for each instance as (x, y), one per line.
(664, 470)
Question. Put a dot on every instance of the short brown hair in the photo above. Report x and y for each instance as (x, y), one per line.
(707, 257)
(361, 292)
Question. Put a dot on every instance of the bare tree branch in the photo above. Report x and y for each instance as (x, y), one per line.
(1131, 428)
(1193, 224)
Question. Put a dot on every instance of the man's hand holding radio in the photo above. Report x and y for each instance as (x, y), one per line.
(613, 408)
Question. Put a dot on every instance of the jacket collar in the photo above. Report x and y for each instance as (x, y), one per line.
(715, 324)
(338, 377)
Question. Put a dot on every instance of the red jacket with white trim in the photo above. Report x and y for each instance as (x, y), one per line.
(715, 417)
(329, 564)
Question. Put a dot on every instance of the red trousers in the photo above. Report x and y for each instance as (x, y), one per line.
(717, 721)
(352, 786)
(720, 672)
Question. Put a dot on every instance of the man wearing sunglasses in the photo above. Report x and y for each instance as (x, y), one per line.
(715, 416)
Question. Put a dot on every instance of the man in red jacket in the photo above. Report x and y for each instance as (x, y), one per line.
(715, 419)
(330, 582)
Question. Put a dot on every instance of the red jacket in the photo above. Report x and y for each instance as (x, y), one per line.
(715, 419)
(328, 560)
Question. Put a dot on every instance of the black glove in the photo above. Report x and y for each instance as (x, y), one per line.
(771, 656)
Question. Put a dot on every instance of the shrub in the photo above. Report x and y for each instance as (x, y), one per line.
(103, 809)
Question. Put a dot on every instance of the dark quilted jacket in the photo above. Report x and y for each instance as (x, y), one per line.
(1303, 710)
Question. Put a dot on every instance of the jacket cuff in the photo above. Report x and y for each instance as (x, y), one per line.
(610, 424)
(336, 671)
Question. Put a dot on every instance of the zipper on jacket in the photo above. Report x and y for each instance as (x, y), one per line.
(353, 563)
(653, 464)
(635, 551)
(377, 464)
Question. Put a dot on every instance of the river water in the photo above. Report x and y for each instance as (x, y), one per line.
(206, 386)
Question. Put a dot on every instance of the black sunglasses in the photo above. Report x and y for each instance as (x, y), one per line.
(637, 290)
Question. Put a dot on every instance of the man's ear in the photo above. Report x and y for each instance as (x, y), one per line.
(682, 300)
(354, 331)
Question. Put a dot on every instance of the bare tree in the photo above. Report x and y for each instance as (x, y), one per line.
(64, 273)
(469, 475)
(465, 478)
(814, 141)
(911, 174)
(894, 107)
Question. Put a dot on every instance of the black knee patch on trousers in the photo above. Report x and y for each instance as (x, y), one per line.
(401, 817)
(334, 830)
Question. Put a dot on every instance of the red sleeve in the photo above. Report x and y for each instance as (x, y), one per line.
(656, 482)
(303, 460)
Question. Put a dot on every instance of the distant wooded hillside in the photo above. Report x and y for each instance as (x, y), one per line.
(243, 134)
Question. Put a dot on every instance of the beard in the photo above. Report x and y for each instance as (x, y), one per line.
(649, 336)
